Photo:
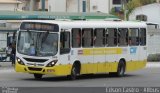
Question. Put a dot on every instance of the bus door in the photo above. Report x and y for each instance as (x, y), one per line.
(64, 57)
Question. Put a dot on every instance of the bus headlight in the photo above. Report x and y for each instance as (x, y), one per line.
(20, 61)
(51, 64)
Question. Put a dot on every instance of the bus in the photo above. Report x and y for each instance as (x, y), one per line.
(72, 48)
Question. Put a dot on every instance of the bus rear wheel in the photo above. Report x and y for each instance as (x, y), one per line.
(120, 70)
(38, 76)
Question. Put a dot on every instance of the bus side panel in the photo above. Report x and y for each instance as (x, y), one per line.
(88, 65)
(137, 60)
(61, 70)
(135, 65)
(142, 57)
(99, 59)
(130, 66)
(111, 58)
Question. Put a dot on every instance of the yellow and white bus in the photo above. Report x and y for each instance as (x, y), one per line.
(72, 48)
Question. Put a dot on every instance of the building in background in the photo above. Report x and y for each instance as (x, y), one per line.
(6, 28)
(104, 6)
(83, 5)
(149, 13)
(34, 5)
(11, 5)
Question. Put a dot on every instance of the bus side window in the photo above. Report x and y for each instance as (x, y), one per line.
(76, 37)
(106, 37)
(87, 37)
(122, 36)
(133, 36)
(99, 37)
(64, 42)
(112, 36)
(142, 36)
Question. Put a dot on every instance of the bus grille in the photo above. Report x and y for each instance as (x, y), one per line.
(36, 60)
(35, 69)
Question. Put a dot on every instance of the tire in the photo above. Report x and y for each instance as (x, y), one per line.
(74, 73)
(121, 69)
(38, 76)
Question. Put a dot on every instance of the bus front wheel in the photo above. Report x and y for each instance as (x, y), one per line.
(38, 76)
(74, 72)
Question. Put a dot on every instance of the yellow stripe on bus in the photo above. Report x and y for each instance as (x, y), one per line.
(102, 51)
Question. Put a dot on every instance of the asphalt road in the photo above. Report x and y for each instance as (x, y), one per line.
(147, 77)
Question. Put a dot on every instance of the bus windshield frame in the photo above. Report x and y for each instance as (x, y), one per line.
(37, 43)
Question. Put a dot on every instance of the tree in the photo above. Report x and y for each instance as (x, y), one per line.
(130, 6)
(145, 2)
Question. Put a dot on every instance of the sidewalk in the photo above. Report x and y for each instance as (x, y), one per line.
(5, 64)
(153, 64)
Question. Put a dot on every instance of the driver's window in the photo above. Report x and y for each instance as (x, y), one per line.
(64, 42)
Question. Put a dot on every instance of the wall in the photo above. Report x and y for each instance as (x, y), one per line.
(153, 41)
(99, 5)
(72, 6)
(3, 40)
(151, 11)
(57, 5)
(77, 5)
(10, 7)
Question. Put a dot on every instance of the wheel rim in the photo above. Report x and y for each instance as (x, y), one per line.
(73, 75)
(73, 71)
(121, 70)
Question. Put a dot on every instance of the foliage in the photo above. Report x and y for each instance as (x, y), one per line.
(132, 4)
(145, 2)
(119, 14)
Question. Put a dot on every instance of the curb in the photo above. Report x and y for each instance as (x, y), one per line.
(5, 64)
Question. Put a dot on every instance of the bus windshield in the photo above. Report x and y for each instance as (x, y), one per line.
(34, 43)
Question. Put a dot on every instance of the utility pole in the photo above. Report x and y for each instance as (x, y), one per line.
(78, 6)
(43, 5)
(84, 5)
(31, 5)
(123, 2)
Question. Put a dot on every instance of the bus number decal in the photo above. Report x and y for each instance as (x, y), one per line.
(133, 50)
(80, 52)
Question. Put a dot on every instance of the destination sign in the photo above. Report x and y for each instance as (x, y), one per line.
(39, 26)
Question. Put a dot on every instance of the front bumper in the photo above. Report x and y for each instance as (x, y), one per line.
(57, 70)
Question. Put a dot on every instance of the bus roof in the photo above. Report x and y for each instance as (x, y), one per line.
(67, 24)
